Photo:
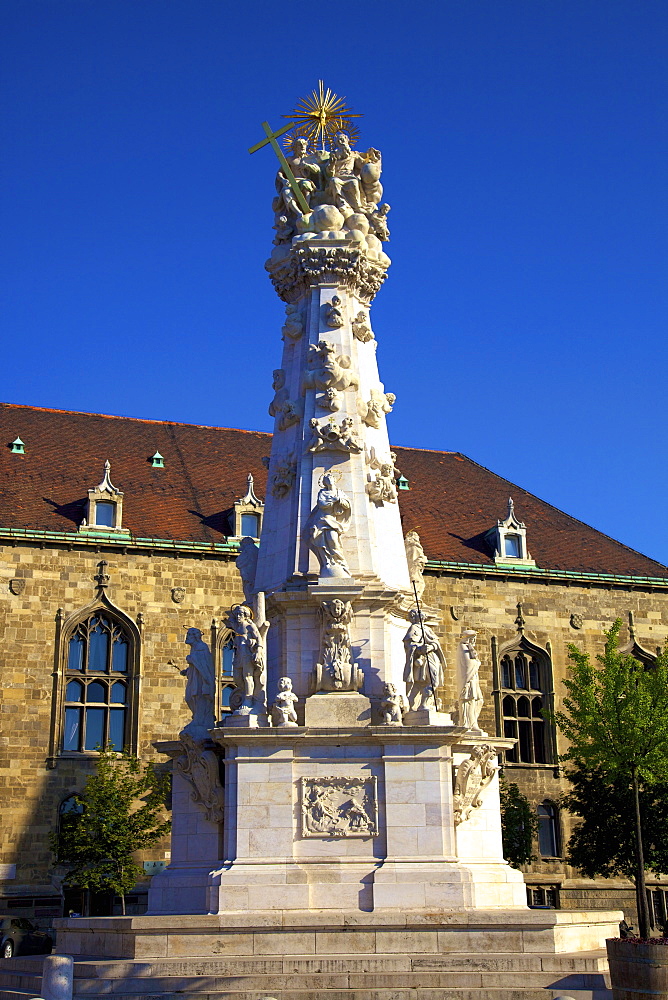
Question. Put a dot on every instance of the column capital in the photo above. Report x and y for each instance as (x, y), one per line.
(314, 263)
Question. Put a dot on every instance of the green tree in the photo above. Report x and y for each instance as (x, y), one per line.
(120, 812)
(615, 719)
(519, 824)
(603, 843)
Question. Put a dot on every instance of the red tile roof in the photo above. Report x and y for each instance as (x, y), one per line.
(452, 500)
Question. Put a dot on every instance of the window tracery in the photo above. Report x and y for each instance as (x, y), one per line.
(96, 685)
(96, 681)
(525, 690)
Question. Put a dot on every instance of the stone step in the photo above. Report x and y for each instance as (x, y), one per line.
(311, 977)
(320, 964)
(397, 993)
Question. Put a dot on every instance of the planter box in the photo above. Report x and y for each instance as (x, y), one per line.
(638, 970)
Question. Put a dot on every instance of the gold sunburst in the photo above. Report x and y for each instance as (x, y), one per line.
(319, 117)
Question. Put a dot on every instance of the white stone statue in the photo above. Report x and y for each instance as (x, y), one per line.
(330, 400)
(200, 686)
(373, 411)
(293, 327)
(378, 222)
(468, 667)
(247, 566)
(352, 179)
(417, 561)
(381, 486)
(308, 176)
(393, 705)
(329, 519)
(283, 475)
(361, 329)
(327, 368)
(248, 662)
(333, 314)
(335, 670)
(283, 709)
(425, 664)
(331, 436)
(287, 410)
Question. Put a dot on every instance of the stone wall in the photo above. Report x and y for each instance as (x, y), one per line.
(141, 584)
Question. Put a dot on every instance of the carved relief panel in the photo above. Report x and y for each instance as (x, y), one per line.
(339, 807)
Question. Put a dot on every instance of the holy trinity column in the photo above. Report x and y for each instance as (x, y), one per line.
(332, 559)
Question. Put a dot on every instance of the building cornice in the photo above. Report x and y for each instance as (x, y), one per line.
(442, 567)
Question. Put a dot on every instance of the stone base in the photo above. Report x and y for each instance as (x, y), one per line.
(427, 717)
(337, 709)
(245, 721)
(342, 933)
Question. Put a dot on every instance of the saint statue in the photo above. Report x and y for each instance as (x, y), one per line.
(417, 561)
(247, 566)
(329, 519)
(248, 662)
(200, 686)
(468, 667)
(335, 670)
(352, 178)
(425, 664)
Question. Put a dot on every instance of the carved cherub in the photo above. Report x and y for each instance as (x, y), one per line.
(330, 437)
(281, 406)
(378, 405)
(330, 400)
(284, 475)
(293, 327)
(280, 392)
(378, 222)
(393, 705)
(361, 329)
(283, 710)
(381, 487)
(327, 369)
(333, 314)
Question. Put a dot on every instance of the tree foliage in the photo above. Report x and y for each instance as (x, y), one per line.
(616, 714)
(120, 812)
(519, 824)
(615, 719)
(604, 842)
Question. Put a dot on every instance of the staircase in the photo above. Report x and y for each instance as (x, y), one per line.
(450, 976)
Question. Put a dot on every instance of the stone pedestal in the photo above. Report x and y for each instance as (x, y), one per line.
(337, 709)
(357, 818)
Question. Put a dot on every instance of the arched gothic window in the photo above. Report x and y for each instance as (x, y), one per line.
(98, 677)
(548, 830)
(526, 684)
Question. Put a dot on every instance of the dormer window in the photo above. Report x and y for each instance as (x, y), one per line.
(105, 514)
(247, 515)
(105, 507)
(509, 539)
(513, 547)
(250, 525)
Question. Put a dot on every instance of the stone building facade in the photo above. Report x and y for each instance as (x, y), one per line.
(93, 615)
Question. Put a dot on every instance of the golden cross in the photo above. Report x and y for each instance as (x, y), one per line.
(285, 166)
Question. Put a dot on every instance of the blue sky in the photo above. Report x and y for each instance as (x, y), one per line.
(524, 149)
